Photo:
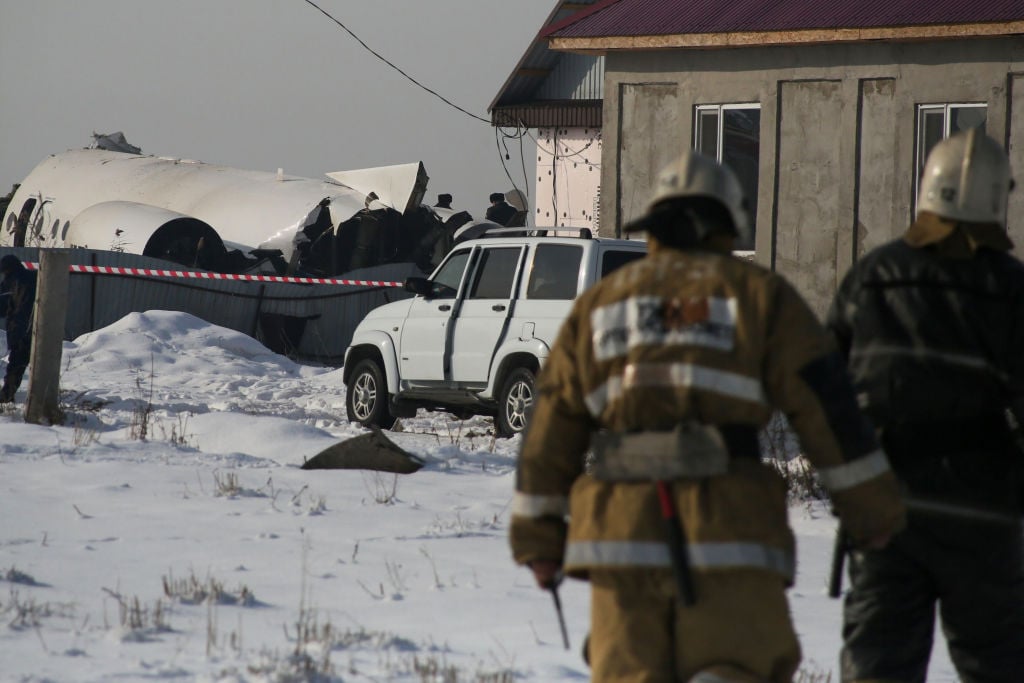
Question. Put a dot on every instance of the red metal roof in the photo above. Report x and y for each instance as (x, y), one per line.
(671, 17)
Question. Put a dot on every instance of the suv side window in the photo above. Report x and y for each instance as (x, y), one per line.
(445, 284)
(613, 260)
(556, 270)
(495, 275)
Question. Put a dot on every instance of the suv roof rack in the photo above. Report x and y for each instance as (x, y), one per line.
(582, 233)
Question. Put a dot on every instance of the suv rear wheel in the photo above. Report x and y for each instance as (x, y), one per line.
(515, 402)
(366, 399)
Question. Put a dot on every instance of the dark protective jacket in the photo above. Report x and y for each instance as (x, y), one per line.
(933, 327)
(18, 291)
(500, 213)
(678, 335)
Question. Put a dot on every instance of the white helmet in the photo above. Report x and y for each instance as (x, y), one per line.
(966, 178)
(695, 175)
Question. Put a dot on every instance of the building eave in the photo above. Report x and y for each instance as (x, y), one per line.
(546, 114)
(603, 44)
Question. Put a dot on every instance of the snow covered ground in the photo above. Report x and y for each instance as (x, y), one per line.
(203, 552)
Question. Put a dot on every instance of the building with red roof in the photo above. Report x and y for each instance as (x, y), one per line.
(826, 111)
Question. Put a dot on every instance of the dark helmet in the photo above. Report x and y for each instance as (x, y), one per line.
(10, 263)
(497, 196)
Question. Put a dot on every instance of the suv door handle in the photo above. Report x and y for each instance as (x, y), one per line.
(444, 307)
(498, 307)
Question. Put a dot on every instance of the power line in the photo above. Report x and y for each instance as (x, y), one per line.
(385, 60)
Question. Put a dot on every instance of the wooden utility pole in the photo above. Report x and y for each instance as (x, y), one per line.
(48, 337)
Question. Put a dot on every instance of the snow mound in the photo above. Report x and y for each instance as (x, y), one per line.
(143, 340)
(181, 365)
(278, 439)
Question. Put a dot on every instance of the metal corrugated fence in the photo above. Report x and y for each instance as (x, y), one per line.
(309, 321)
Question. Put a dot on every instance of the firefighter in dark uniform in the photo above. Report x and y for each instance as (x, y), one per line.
(664, 371)
(17, 300)
(933, 328)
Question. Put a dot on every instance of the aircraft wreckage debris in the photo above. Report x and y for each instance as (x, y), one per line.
(372, 451)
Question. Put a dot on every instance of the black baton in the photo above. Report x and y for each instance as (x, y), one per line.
(676, 544)
(558, 610)
(839, 550)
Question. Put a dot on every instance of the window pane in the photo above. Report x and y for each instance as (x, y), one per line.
(613, 260)
(495, 274)
(932, 130)
(556, 270)
(445, 284)
(707, 132)
(965, 118)
(741, 151)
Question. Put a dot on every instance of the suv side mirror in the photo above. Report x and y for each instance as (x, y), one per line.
(418, 285)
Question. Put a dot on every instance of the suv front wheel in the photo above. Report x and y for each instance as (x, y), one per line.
(366, 399)
(515, 402)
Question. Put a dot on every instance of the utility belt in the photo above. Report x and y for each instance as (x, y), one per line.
(690, 451)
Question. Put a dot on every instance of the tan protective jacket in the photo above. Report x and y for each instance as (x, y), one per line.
(691, 334)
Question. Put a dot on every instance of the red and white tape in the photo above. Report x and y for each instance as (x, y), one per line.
(205, 275)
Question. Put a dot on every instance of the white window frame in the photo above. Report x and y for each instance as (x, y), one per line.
(721, 122)
(919, 153)
(720, 109)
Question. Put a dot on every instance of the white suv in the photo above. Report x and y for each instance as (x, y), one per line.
(478, 330)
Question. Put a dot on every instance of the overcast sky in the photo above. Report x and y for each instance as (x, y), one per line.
(263, 84)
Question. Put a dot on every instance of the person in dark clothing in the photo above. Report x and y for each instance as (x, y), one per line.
(444, 201)
(932, 326)
(18, 292)
(500, 211)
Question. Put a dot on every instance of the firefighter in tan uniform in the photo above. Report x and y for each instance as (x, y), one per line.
(640, 469)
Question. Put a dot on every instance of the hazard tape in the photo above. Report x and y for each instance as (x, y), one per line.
(206, 275)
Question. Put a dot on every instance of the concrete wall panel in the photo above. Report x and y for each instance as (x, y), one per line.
(1015, 148)
(878, 219)
(808, 193)
(652, 132)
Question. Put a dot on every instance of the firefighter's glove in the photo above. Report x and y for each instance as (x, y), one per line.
(548, 573)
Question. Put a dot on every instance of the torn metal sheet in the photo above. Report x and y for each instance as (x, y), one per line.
(401, 187)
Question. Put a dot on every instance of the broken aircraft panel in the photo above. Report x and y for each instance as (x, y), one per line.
(227, 219)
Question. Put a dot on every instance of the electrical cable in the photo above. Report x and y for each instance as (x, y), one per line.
(520, 131)
(570, 153)
(497, 144)
(522, 160)
(554, 178)
(385, 60)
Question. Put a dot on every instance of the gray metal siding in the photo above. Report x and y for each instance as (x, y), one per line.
(575, 77)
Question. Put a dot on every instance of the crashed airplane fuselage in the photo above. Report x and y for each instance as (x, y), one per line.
(227, 219)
